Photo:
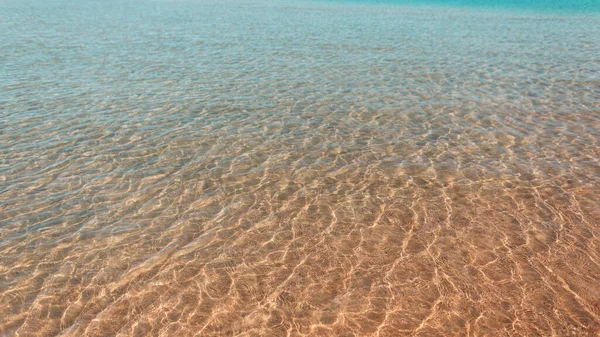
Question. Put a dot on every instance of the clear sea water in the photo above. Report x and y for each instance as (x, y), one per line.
(299, 168)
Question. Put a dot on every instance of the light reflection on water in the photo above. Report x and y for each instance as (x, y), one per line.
(191, 168)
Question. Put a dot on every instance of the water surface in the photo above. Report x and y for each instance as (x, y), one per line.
(257, 168)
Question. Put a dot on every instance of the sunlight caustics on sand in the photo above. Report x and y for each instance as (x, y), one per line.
(256, 168)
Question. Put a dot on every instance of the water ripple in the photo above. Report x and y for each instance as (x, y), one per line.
(191, 168)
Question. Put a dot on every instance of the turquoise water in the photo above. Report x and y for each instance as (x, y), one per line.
(559, 7)
(287, 168)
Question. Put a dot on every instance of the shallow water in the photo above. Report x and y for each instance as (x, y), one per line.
(181, 168)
